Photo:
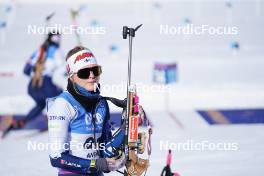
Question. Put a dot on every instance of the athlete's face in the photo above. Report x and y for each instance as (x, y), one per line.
(89, 83)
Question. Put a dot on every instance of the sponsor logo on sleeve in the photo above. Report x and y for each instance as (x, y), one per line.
(57, 118)
(54, 126)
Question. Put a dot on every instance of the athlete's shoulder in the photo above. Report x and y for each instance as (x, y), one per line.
(60, 105)
(53, 51)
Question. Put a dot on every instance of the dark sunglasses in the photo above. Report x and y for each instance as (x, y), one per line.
(85, 73)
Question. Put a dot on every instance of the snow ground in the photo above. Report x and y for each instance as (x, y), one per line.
(246, 160)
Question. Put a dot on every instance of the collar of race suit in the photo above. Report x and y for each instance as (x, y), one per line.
(88, 99)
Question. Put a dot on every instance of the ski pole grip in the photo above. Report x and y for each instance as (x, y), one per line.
(125, 32)
(130, 31)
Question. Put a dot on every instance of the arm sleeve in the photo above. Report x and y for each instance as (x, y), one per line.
(112, 143)
(29, 66)
(59, 113)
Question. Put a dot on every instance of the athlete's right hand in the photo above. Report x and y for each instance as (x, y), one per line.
(111, 164)
(116, 162)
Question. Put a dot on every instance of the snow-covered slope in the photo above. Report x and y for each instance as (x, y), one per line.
(211, 75)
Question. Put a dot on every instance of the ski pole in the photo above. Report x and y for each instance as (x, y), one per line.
(74, 14)
(49, 17)
(130, 32)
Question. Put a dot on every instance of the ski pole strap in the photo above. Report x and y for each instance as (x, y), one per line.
(148, 124)
(149, 141)
(117, 102)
